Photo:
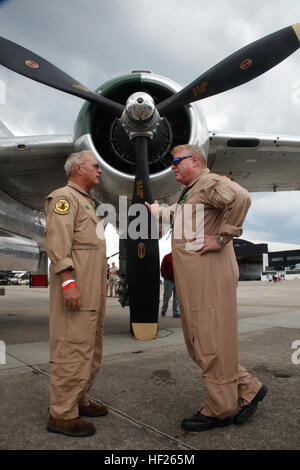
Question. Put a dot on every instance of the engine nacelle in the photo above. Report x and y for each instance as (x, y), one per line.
(108, 138)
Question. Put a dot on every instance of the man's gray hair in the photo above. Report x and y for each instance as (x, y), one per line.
(192, 150)
(73, 159)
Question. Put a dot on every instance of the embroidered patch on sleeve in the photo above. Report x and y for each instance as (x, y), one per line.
(223, 178)
(62, 207)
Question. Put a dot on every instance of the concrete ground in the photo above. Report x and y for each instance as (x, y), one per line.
(149, 387)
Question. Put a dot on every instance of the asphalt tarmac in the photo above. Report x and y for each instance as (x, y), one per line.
(150, 386)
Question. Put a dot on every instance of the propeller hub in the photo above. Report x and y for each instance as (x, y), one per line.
(140, 117)
(140, 107)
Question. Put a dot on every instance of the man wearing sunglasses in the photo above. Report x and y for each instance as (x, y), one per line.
(77, 297)
(206, 280)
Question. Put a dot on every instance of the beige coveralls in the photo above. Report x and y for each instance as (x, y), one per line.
(75, 336)
(206, 289)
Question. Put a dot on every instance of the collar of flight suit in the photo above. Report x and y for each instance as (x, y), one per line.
(203, 173)
(79, 189)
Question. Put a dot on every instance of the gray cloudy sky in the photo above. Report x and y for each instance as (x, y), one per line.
(95, 40)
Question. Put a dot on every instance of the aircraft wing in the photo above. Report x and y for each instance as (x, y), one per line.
(258, 162)
(31, 167)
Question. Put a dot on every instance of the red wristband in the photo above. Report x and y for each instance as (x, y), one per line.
(69, 285)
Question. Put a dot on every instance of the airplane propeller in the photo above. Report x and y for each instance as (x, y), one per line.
(239, 68)
(140, 118)
(29, 64)
(143, 264)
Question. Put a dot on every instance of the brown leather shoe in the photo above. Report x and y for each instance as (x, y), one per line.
(75, 427)
(92, 410)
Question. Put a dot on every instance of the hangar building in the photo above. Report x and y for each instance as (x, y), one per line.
(255, 261)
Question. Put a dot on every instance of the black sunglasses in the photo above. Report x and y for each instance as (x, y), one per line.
(177, 160)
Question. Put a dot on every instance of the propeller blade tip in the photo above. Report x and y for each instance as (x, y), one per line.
(144, 331)
(296, 28)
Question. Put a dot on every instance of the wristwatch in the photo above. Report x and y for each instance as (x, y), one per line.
(221, 241)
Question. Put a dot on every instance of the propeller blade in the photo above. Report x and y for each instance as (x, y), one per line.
(238, 68)
(29, 64)
(143, 264)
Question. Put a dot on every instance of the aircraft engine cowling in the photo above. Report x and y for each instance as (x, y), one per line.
(108, 138)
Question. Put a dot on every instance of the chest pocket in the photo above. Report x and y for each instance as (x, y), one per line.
(85, 235)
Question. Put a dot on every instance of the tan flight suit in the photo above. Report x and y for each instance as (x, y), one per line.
(75, 336)
(206, 289)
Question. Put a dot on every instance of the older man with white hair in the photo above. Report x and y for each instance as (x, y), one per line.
(77, 297)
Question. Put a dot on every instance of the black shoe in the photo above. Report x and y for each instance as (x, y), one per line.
(200, 422)
(176, 316)
(248, 410)
(163, 314)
